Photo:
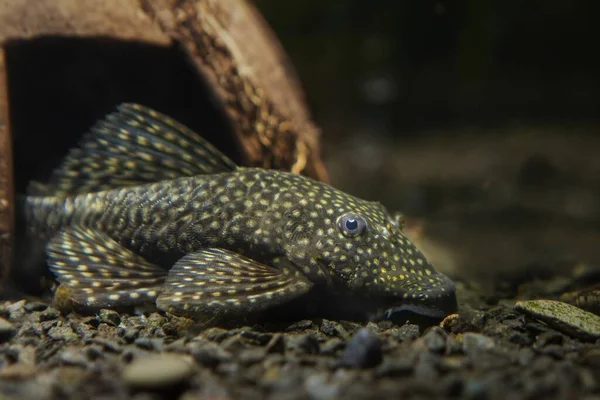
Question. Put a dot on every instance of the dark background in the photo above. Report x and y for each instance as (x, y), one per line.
(479, 120)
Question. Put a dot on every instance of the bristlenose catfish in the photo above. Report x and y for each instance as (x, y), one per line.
(145, 211)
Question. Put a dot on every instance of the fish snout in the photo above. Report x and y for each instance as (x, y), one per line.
(433, 301)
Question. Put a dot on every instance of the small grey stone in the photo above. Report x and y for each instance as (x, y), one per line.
(177, 346)
(474, 343)
(435, 340)
(4, 313)
(62, 332)
(548, 338)
(156, 371)
(16, 310)
(525, 356)
(591, 357)
(234, 343)
(216, 334)
(331, 328)
(520, 338)
(454, 362)
(332, 346)
(251, 356)
(385, 324)
(94, 353)
(73, 357)
(47, 325)
(394, 367)
(110, 317)
(35, 306)
(276, 344)
(426, 366)
(49, 314)
(453, 346)
(149, 343)
(303, 343)
(374, 327)
(107, 345)
(208, 353)
(7, 330)
(31, 329)
(257, 338)
(230, 369)
(131, 333)
(564, 317)
(300, 325)
(362, 351)
(404, 333)
(319, 386)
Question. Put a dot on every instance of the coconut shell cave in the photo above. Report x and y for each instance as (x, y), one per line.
(213, 65)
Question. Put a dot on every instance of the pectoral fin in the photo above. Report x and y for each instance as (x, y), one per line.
(217, 282)
(100, 273)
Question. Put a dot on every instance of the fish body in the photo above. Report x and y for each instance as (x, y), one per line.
(145, 211)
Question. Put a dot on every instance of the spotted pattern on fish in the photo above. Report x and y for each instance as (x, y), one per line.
(133, 218)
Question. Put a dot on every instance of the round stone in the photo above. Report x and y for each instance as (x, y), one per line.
(159, 370)
(7, 330)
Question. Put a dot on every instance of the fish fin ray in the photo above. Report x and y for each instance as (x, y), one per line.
(132, 146)
(99, 272)
(221, 282)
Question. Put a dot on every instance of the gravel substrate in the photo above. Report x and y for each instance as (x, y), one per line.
(498, 353)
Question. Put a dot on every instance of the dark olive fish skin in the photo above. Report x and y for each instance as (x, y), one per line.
(144, 211)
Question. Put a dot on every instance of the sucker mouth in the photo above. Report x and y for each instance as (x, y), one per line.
(435, 309)
(429, 312)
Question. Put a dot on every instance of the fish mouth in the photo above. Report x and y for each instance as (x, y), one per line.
(433, 307)
(423, 311)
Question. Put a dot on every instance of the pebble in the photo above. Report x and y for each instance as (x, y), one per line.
(149, 343)
(331, 328)
(7, 330)
(158, 371)
(16, 310)
(435, 340)
(404, 333)
(107, 345)
(426, 366)
(549, 338)
(332, 346)
(362, 351)
(208, 354)
(564, 317)
(110, 317)
(35, 306)
(73, 357)
(303, 344)
(474, 343)
(276, 345)
(62, 332)
(300, 325)
(251, 356)
(257, 338)
(49, 314)
(395, 367)
(319, 386)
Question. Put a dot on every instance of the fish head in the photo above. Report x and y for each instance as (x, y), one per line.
(358, 247)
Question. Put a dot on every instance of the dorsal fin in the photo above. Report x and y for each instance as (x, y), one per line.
(132, 146)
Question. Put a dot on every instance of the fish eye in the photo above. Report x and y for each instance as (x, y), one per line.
(352, 225)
